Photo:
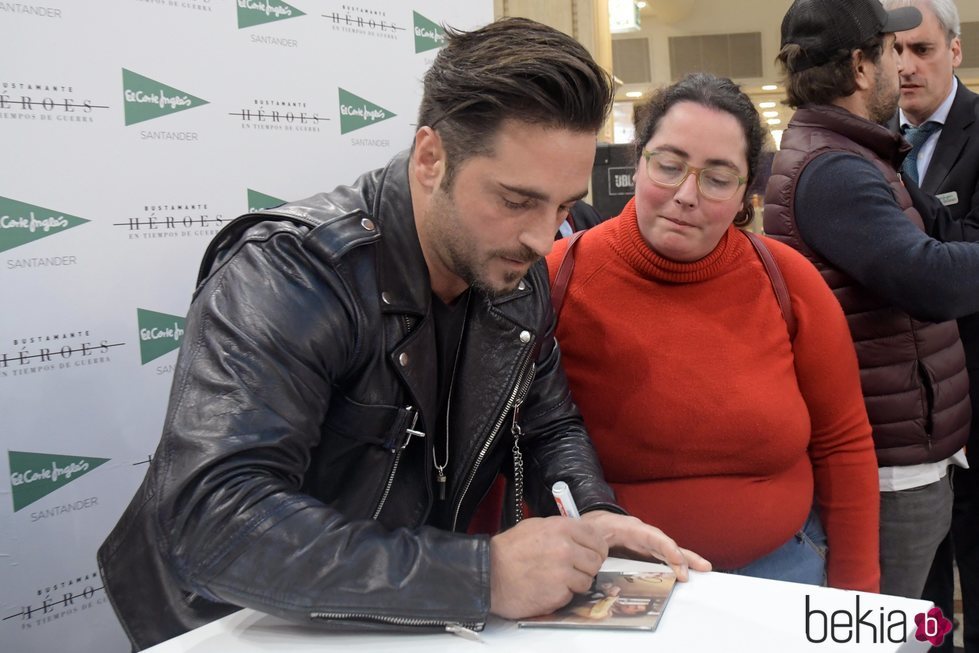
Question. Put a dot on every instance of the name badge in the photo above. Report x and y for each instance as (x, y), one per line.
(948, 199)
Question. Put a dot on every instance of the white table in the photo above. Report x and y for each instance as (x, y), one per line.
(713, 612)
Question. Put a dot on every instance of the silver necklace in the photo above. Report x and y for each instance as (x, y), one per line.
(440, 478)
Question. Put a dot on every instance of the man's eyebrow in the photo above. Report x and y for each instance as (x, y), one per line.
(532, 193)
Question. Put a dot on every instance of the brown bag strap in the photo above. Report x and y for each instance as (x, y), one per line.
(778, 281)
(563, 276)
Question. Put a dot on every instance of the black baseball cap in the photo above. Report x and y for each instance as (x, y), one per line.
(824, 27)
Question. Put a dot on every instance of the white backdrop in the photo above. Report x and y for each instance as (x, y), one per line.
(130, 131)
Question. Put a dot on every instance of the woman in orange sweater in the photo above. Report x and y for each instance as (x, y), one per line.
(747, 446)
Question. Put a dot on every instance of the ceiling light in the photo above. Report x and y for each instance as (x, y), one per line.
(641, 4)
(770, 87)
(770, 114)
(766, 105)
(633, 94)
(774, 121)
(623, 16)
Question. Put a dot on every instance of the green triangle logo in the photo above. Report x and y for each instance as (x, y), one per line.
(258, 201)
(428, 35)
(146, 99)
(357, 113)
(21, 223)
(33, 476)
(257, 12)
(159, 333)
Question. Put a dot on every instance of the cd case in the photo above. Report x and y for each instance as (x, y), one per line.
(623, 599)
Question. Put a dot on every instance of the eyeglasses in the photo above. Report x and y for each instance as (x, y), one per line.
(668, 170)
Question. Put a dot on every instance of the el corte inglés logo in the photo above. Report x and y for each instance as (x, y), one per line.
(257, 12)
(428, 35)
(146, 99)
(21, 223)
(33, 476)
(159, 333)
(258, 201)
(357, 113)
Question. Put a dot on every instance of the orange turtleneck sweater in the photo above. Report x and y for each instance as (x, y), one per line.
(710, 424)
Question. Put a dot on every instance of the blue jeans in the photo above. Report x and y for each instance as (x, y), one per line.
(800, 560)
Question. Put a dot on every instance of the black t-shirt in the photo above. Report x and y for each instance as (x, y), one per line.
(450, 324)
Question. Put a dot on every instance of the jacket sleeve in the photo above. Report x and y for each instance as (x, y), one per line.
(268, 336)
(841, 447)
(554, 432)
(847, 214)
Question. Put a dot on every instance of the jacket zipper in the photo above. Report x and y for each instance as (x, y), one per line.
(397, 456)
(519, 393)
(387, 486)
(928, 402)
(464, 629)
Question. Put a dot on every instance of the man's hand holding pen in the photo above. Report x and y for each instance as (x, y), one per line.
(536, 566)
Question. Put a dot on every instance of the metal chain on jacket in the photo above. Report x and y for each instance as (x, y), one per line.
(517, 474)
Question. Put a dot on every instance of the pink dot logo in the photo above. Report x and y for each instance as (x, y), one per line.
(932, 626)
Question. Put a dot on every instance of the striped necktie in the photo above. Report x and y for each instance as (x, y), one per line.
(916, 136)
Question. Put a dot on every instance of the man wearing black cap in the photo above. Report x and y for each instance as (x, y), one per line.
(835, 194)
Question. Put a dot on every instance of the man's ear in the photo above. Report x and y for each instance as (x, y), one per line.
(862, 73)
(956, 47)
(428, 158)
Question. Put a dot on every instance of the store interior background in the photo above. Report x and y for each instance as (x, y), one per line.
(739, 40)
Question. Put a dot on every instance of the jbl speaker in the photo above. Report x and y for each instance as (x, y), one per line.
(611, 178)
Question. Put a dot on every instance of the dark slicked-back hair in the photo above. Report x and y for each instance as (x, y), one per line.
(512, 69)
(823, 84)
(720, 94)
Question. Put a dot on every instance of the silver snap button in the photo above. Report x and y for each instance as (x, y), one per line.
(525, 337)
(367, 224)
(403, 359)
(386, 297)
(521, 285)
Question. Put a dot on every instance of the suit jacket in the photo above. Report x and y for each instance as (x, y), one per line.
(954, 168)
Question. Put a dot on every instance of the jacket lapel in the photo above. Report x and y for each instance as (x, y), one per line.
(406, 292)
(951, 142)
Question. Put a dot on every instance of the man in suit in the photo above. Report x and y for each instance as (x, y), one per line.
(940, 117)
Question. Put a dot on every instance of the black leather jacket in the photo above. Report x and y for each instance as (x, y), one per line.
(286, 480)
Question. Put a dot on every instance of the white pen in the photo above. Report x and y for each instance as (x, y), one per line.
(565, 502)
